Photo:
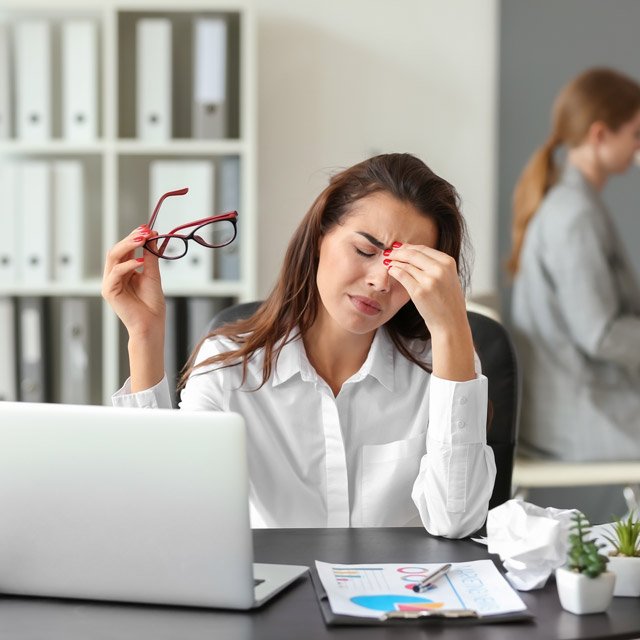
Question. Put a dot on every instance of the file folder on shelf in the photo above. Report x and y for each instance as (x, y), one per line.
(79, 80)
(34, 222)
(33, 80)
(165, 175)
(153, 79)
(9, 235)
(8, 362)
(200, 312)
(74, 358)
(210, 78)
(68, 221)
(172, 363)
(32, 350)
(228, 258)
(5, 83)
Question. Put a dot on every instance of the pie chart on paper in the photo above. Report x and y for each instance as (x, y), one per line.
(394, 602)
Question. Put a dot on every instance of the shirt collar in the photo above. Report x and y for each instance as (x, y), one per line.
(572, 176)
(379, 364)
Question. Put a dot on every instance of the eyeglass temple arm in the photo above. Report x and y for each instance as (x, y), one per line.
(230, 215)
(177, 192)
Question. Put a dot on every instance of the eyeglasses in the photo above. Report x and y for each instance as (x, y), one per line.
(212, 232)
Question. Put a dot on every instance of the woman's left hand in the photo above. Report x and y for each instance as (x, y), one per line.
(431, 280)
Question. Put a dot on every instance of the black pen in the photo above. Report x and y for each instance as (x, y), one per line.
(428, 581)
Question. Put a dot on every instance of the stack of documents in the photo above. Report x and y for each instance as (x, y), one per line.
(374, 593)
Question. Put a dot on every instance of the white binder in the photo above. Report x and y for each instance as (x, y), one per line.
(153, 79)
(5, 83)
(75, 340)
(34, 222)
(166, 175)
(32, 350)
(68, 221)
(210, 78)
(228, 258)
(9, 234)
(33, 80)
(79, 80)
(8, 362)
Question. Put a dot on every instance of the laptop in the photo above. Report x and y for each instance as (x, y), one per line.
(130, 505)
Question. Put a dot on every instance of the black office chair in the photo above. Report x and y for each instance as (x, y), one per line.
(499, 363)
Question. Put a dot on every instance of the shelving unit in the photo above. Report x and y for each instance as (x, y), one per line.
(117, 163)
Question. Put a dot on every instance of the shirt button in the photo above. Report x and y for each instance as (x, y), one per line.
(460, 424)
(463, 400)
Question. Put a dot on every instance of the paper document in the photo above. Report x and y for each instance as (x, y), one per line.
(371, 590)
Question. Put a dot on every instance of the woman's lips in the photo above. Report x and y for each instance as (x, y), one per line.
(365, 305)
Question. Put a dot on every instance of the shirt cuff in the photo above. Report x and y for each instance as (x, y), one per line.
(155, 397)
(458, 411)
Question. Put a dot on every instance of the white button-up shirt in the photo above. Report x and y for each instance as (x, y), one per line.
(396, 446)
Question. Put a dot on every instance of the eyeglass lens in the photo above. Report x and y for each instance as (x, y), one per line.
(215, 234)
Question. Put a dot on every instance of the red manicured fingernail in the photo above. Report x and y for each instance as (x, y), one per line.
(386, 252)
(138, 239)
(139, 259)
(386, 263)
(396, 245)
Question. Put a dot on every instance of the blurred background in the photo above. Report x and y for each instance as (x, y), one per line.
(311, 87)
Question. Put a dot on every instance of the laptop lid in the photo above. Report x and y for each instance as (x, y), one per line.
(125, 504)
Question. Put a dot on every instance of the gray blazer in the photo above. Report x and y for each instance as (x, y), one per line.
(576, 318)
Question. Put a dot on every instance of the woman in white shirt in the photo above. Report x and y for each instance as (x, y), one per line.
(357, 377)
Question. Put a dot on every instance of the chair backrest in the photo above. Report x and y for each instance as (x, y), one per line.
(499, 364)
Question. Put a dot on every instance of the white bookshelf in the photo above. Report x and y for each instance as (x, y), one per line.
(117, 162)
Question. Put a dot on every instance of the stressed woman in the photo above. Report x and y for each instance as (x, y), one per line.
(357, 377)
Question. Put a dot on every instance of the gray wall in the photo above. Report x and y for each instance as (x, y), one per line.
(543, 43)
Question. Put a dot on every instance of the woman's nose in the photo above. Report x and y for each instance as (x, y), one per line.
(378, 277)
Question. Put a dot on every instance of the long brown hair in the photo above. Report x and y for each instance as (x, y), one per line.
(596, 95)
(293, 302)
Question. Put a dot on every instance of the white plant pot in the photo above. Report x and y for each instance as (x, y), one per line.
(627, 572)
(581, 594)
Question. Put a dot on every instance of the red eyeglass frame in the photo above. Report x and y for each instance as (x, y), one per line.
(230, 215)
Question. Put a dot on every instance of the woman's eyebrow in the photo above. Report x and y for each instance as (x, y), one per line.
(374, 241)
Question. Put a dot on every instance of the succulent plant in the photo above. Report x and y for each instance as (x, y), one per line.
(625, 536)
(584, 555)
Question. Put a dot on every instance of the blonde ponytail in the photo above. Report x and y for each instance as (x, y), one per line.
(538, 176)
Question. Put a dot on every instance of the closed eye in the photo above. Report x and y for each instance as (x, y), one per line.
(364, 254)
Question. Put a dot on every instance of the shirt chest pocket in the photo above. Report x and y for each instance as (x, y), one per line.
(388, 473)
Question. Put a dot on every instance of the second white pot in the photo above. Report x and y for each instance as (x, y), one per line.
(627, 572)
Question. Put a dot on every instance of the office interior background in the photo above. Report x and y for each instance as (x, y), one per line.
(466, 85)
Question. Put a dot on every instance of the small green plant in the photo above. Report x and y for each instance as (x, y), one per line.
(625, 536)
(584, 556)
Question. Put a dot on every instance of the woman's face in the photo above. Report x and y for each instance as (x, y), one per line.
(356, 291)
(618, 148)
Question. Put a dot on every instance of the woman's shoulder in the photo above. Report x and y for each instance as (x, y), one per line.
(217, 345)
(567, 208)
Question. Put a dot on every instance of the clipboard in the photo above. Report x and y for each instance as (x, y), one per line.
(332, 619)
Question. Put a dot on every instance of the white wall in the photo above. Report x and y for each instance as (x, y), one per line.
(339, 80)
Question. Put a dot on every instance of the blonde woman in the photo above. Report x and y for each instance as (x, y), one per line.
(576, 301)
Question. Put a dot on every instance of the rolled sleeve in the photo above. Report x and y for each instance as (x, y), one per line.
(457, 411)
(157, 397)
(457, 474)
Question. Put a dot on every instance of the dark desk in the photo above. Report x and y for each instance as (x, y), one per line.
(294, 614)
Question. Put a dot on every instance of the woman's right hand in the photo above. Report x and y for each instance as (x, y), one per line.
(135, 295)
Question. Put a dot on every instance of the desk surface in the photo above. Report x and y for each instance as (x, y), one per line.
(294, 614)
